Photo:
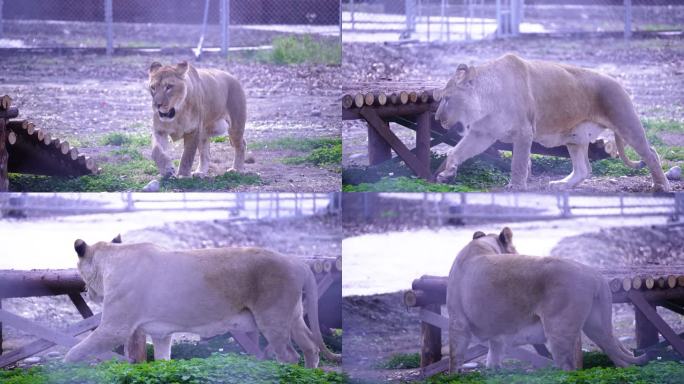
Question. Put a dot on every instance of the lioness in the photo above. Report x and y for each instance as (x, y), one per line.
(528, 300)
(195, 104)
(519, 101)
(148, 289)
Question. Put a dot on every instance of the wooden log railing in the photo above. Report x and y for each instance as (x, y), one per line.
(17, 284)
(644, 287)
(413, 106)
(26, 149)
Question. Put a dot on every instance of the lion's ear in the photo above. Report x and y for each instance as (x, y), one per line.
(154, 67)
(80, 246)
(117, 239)
(506, 236)
(182, 68)
(478, 234)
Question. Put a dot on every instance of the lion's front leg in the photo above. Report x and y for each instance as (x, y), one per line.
(203, 146)
(102, 340)
(520, 164)
(190, 142)
(472, 144)
(160, 149)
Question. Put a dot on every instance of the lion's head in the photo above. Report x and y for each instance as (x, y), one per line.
(89, 267)
(501, 243)
(168, 89)
(460, 104)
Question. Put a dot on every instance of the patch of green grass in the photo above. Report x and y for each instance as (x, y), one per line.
(596, 359)
(404, 184)
(124, 139)
(328, 155)
(227, 181)
(402, 361)
(655, 372)
(218, 139)
(322, 151)
(305, 49)
(228, 369)
(615, 167)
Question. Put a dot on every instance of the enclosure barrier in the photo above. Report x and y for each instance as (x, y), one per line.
(27, 149)
(16, 284)
(413, 105)
(645, 287)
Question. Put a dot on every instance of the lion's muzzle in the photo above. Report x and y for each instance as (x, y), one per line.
(455, 130)
(168, 115)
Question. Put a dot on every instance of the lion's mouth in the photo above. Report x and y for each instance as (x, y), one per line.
(168, 115)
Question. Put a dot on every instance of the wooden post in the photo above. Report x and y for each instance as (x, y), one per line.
(4, 157)
(136, 347)
(423, 141)
(0, 330)
(431, 340)
(379, 150)
(646, 333)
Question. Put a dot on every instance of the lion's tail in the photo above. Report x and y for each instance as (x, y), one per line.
(599, 328)
(620, 144)
(311, 289)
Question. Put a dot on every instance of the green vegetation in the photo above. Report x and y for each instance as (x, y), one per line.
(402, 361)
(655, 372)
(230, 368)
(305, 49)
(403, 184)
(219, 139)
(322, 151)
(127, 170)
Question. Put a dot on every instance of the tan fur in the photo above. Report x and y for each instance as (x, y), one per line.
(151, 290)
(205, 103)
(506, 299)
(519, 101)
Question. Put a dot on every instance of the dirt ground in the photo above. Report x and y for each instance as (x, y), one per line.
(82, 98)
(379, 326)
(652, 71)
(290, 236)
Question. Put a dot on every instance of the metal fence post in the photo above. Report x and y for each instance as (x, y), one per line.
(410, 9)
(1, 30)
(351, 12)
(628, 19)
(109, 19)
(225, 23)
(499, 32)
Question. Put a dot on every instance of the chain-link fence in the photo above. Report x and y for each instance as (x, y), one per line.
(454, 20)
(137, 24)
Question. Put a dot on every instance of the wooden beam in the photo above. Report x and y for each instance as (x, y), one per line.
(472, 353)
(431, 336)
(379, 150)
(135, 348)
(4, 156)
(389, 110)
(38, 346)
(81, 305)
(650, 313)
(249, 342)
(383, 129)
(423, 144)
(646, 334)
(40, 283)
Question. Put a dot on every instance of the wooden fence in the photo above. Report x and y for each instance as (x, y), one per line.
(645, 287)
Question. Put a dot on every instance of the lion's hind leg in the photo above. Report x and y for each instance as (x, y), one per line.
(305, 340)
(162, 347)
(581, 167)
(236, 132)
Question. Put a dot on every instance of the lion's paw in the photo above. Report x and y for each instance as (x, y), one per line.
(235, 170)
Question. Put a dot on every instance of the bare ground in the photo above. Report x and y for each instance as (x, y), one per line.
(291, 237)
(377, 327)
(81, 98)
(652, 71)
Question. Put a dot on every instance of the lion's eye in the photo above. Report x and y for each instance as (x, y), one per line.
(168, 87)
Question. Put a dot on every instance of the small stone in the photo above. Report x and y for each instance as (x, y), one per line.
(470, 365)
(315, 112)
(53, 355)
(357, 156)
(250, 160)
(152, 186)
(675, 173)
(32, 360)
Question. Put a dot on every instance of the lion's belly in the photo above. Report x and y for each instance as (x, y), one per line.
(242, 321)
(584, 133)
